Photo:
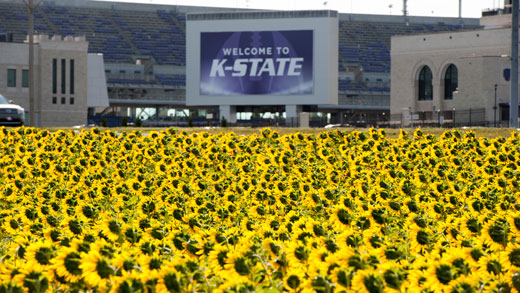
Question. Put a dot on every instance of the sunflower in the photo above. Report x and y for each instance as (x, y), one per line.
(12, 224)
(217, 257)
(125, 261)
(66, 264)
(169, 279)
(237, 270)
(39, 255)
(420, 239)
(466, 283)
(150, 265)
(129, 282)
(96, 269)
(36, 281)
(294, 279)
(111, 229)
(368, 281)
(319, 262)
(510, 257)
(442, 276)
(491, 266)
(11, 272)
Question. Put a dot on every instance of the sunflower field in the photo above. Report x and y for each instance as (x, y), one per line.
(339, 211)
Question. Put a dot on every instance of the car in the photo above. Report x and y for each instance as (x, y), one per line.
(11, 114)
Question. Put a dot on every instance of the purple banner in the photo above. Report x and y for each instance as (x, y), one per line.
(256, 63)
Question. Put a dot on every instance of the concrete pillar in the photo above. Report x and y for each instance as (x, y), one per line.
(291, 115)
(133, 112)
(228, 112)
(334, 118)
(123, 111)
(437, 95)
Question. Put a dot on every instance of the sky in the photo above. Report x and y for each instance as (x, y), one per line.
(449, 8)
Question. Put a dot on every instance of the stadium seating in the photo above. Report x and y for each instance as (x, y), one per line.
(124, 36)
(368, 44)
(173, 80)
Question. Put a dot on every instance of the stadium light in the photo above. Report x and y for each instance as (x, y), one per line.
(405, 12)
(32, 107)
(513, 109)
(495, 106)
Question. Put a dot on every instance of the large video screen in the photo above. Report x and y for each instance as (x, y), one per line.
(262, 58)
(256, 63)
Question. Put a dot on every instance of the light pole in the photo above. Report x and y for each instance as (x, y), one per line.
(513, 109)
(32, 107)
(453, 116)
(495, 107)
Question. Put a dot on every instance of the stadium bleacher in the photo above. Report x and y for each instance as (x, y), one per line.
(122, 35)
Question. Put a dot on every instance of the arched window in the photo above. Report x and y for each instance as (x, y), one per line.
(425, 84)
(451, 81)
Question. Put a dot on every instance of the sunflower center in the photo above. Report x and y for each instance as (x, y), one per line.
(241, 267)
(172, 283)
(221, 257)
(103, 269)
(132, 285)
(461, 266)
(36, 282)
(423, 237)
(514, 257)
(498, 233)
(114, 227)
(72, 262)
(301, 253)
(463, 287)
(293, 281)
(75, 227)
(373, 284)
(356, 262)
(476, 254)
(128, 265)
(394, 278)
(43, 255)
(494, 267)
(14, 224)
(155, 264)
(444, 274)
(516, 280)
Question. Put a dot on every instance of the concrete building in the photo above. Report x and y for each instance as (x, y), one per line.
(459, 78)
(61, 79)
(144, 52)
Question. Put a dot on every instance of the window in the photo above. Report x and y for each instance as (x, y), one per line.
(63, 76)
(72, 101)
(54, 76)
(425, 84)
(54, 100)
(63, 100)
(25, 78)
(71, 77)
(451, 81)
(11, 77)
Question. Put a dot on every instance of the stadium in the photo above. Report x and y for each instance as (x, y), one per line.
(138, 52)
(244, 209)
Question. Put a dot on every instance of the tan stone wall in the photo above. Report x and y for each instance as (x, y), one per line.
(480, 57)
(48, 114)
(14, 56)
(63, 114)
